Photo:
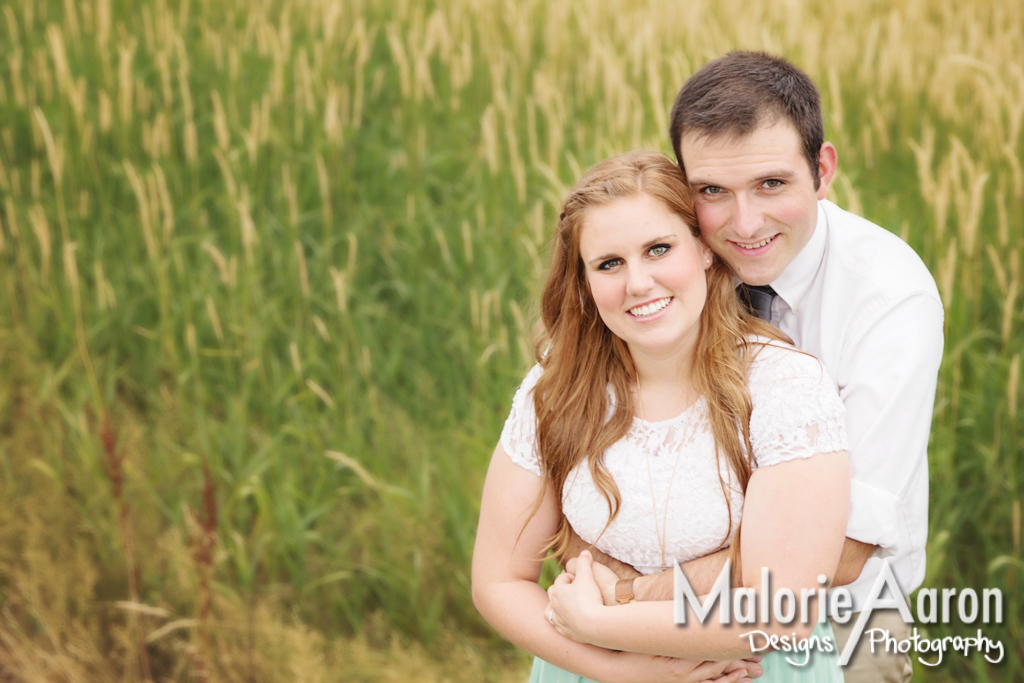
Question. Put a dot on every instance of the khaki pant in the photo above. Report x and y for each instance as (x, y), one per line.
(880, 666)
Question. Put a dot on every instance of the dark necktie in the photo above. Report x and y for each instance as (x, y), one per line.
(758, 300)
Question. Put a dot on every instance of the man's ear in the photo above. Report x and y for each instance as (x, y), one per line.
(828, 162)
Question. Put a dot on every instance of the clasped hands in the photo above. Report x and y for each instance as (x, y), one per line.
(577, 593)
(585, 588)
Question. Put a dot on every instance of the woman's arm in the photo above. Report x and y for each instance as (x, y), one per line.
(794, 523)
(506, 567)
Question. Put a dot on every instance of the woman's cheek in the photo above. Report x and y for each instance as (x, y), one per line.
(605, 296)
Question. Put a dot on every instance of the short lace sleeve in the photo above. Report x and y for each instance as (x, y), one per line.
(519, 437)
(797, 411)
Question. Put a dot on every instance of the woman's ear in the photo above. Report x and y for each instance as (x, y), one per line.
(706, 254)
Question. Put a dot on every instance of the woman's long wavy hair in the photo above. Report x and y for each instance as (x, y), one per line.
(582, 358)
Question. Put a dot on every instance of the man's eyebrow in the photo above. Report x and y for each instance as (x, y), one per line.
(647, 245)
(775, 174)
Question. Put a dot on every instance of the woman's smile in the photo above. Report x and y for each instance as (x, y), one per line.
(650, 310)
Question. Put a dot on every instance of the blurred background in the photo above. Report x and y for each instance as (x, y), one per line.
(267, 280)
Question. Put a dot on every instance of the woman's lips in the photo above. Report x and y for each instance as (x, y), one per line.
(650, 309)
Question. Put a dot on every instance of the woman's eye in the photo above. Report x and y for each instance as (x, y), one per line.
(609, 264)
(658, 250)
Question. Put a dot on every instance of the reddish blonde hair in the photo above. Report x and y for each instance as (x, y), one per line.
(582, 358)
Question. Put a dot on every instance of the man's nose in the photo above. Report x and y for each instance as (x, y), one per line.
(747, 217)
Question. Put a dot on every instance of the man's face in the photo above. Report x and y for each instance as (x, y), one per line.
(755, 197)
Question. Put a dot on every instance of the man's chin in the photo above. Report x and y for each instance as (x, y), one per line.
(756, 278)
(752, 274)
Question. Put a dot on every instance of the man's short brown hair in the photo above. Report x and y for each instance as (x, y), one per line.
(741, 91)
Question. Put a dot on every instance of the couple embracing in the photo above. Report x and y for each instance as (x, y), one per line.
(733, 369)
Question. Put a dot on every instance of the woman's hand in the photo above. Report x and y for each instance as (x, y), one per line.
(633, 667)
(575, 600)
(605, 577)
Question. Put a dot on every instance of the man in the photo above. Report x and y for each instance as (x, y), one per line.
(747, 131)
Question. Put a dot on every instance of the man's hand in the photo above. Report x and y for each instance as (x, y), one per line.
(621, 569)
(851, 562)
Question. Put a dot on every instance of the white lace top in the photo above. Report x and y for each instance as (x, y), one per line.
(796, 414)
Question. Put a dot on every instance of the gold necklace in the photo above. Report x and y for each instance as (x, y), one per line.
(661, 533)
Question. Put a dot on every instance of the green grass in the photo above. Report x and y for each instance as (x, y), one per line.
(414, 153)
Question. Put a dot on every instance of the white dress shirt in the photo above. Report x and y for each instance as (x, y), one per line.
(863, 302)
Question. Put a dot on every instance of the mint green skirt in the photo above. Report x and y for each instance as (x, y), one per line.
(821, 666)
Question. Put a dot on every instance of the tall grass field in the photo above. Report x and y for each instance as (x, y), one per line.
(267, 284)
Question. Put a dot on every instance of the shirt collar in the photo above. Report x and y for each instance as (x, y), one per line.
(796, 279)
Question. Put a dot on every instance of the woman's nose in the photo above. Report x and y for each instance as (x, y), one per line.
(639, 280)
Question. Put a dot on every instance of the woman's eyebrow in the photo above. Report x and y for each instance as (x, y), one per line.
(647, 245)
(603, 257)
(659, 239)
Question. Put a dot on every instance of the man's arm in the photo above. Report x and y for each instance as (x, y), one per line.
(621, 569)
(702, 572)
(887, 380)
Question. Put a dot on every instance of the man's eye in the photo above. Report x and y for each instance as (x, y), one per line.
(711, 189)
(609, 264)
(658, 250)
(773, 183)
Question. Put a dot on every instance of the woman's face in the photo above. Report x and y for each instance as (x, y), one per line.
(646, 272)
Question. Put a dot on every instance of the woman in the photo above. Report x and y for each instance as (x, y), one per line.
(652, 387)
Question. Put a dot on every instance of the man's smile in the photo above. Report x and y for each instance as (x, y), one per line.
(755, 245)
